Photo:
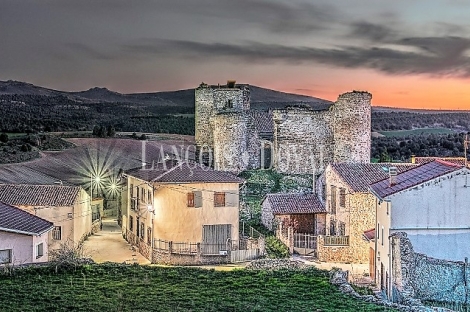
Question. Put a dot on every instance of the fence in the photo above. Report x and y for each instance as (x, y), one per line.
(249, 231)
(302, 240)
(336, 240)
(187, 248)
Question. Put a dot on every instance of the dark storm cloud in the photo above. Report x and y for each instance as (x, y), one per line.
(440, 56)
(88, 51)
(370, 31)
(273, 16)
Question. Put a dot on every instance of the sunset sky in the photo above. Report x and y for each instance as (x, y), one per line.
(406, 53)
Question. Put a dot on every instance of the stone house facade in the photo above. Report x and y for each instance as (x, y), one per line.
(67, 207)
(232, 136)
(350, 209)
(428, 204)
(180, 205)
(24, 238)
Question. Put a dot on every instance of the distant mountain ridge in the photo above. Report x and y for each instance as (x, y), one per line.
(260, 97)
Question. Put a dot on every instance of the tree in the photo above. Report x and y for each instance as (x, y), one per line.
(110, 131)
(4, 138)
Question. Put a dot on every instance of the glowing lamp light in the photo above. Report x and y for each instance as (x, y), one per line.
(113, 186)
(97, 179)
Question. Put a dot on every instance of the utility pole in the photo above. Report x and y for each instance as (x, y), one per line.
(465, 144)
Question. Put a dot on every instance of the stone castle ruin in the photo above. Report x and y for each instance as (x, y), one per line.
(294, 139)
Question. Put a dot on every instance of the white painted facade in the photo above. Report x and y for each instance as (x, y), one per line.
(24, 247)
(435, 215)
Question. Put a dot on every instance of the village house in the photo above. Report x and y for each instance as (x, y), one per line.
(350, 209)
(24, 238)
(290, 214)
(429, 203)
(67, 207)
(181, 204)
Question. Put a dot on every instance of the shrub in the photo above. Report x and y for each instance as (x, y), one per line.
(275, 248)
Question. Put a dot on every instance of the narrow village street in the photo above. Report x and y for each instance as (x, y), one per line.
(109, 245)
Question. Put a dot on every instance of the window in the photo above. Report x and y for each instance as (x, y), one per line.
(137, 229)
(342, 197)
(378, 232)
(57, 233)
(190, 197)
(143, 194)
(388, 208)
(333, 199)
(131, 190)
(70, 215)
(5, 256)
(219, 199)
(342, 229)
(149, 197)
(131, 223)
(382, 235)
(229, 104)
(149, 235)
(39, 250)
(138, 192)
(332, 227)
(142, 230)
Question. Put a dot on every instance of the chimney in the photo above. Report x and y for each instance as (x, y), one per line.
(231, 83)
(393, 175)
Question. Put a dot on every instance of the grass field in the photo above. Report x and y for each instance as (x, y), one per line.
(143, 288)
(401, 133)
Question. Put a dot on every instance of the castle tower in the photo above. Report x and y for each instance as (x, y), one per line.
(230, 142)
(221, 123)
(204, 109)
(352, 127)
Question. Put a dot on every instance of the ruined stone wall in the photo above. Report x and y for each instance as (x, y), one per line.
(253, 144)
(167, 258)
(418, 276)
(204, 109)
(267, 216)
(230, 135)
(352, 127)
(303, 140)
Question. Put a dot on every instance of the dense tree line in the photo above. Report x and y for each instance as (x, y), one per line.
(383, 121)
(34, 113)
(402, 148)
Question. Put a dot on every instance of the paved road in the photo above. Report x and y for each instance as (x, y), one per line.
(109, 245)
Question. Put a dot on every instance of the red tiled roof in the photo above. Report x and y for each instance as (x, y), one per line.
(360, 176)
(16, 220)
(455, 160)
(295, 203)
(38, 195)
(369, 234)
(183, 172)
(414, 177)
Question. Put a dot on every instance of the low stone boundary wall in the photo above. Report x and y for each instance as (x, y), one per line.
(418, 276)
(165, 257)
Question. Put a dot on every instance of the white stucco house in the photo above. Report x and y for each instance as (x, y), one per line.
(24, 238)
(430, 203)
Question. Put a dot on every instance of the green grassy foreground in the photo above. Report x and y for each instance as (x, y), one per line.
(110, 287)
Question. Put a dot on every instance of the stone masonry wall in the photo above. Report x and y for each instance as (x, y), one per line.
(230, 153)
(303, 140)
(358, 215)
(352, 127)
(164, 257)
(417, 276)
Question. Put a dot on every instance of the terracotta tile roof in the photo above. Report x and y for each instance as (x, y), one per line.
(413, 177)
(369, 234)
(16, 220)
(360, 176)
(183, 172)
(38, 195)
(455, 160)
(295, 203)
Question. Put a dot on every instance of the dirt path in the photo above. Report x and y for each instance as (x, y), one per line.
(109, 245)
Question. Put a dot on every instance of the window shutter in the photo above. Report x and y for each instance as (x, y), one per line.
(231, 198)
(197, 199)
